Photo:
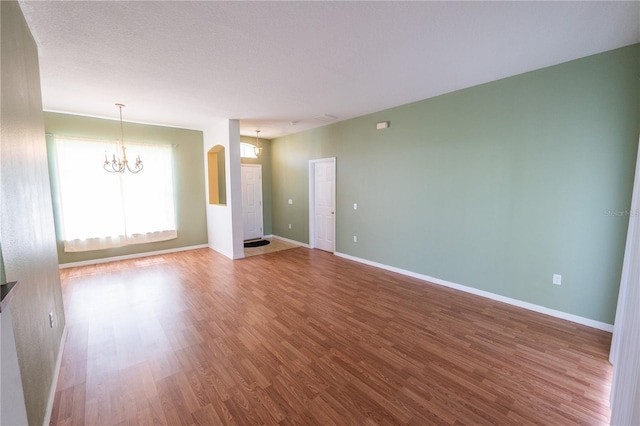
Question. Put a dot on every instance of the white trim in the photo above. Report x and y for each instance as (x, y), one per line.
(287, 240)
(515, 302)
(225, 253)
(312, 200)
(56, 375)
(129, 256)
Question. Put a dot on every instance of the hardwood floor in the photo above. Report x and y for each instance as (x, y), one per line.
(304, 337)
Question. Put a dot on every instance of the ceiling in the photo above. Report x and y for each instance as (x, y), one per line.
(281, 66)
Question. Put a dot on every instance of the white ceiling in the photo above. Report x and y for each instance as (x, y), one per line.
(271, 64)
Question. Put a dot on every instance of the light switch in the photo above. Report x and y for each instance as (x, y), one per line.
(355, 206)
(290, 201)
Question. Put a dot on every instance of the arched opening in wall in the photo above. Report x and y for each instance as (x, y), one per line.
(216, 175)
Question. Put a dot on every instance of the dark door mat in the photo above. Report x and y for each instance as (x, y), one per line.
(256, 243)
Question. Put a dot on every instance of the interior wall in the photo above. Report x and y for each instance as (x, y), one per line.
(224, 222)
(189, 179)
(26, 217)
(265, 162)
(234, 188)
(290, 157)
(495, 187)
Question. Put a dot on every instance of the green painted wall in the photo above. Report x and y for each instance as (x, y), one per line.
(265, 161)
(495, 187)
(188, 177)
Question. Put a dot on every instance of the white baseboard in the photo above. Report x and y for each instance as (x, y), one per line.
(515, 302)
(287, 240)
(222, 252)
(129, 256)
(56, 375)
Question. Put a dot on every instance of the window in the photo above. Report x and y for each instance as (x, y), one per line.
(247, 150)
(101, 210)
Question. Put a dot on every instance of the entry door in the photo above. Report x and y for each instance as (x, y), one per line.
(252, 201)
(324, 201)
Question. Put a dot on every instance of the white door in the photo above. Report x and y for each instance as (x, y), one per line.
(324, 204)
(252, 201)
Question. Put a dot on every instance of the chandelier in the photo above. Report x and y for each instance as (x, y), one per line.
(258, 146)
(118, 163)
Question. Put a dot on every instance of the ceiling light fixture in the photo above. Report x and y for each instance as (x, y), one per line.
(120, 164)
(258, 146)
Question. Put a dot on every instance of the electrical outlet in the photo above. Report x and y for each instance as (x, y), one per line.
(52, 320)
(290, 201)
(355, 238)
(557, 279)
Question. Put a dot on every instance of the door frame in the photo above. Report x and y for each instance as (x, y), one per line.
(312, 200)
(259, 166)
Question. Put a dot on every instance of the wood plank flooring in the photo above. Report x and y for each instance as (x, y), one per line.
(302, 337)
